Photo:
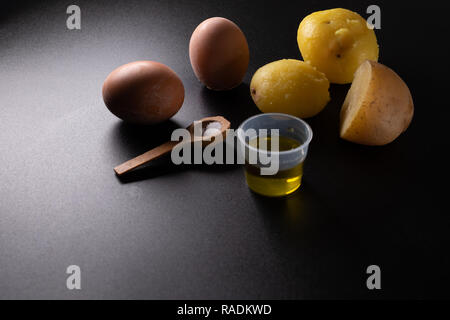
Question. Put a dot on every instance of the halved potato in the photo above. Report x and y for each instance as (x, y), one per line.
(378, 107)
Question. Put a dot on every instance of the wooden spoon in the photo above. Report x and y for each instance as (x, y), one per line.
(168, 146)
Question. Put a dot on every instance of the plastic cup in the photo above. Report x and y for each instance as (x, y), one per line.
(294, 133)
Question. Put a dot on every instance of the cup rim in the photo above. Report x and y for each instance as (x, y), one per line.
(295, 150)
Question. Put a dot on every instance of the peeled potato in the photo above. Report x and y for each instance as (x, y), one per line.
(378, 107)
(336, 42)
(290, 86)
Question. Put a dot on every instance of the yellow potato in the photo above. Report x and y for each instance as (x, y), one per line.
(336, 42)
(378, 107)
(290, 86)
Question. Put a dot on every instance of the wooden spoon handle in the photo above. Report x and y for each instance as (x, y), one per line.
(145, 157)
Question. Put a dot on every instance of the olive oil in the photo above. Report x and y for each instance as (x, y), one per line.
(282, 183)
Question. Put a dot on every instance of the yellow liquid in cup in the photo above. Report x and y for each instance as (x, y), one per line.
(280, 184)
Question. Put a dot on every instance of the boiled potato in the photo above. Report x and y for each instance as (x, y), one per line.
(336, 42)
(378, 107)
(290, 86)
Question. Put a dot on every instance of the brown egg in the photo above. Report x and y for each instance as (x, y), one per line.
(219, 53)
(144, 92)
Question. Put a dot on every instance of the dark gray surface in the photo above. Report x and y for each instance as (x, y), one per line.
(188, 233)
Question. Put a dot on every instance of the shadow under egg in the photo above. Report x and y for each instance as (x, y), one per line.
(236, 105)
(132, 140)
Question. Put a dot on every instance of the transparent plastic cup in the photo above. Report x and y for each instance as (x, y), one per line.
(294, 136)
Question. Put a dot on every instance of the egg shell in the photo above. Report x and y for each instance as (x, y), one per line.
(219, 53)
(143, 92)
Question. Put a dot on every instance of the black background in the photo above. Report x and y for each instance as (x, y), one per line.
(198, 232)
